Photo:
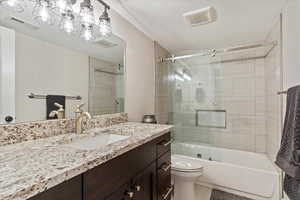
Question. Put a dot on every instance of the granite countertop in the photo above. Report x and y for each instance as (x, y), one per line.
(31, 167)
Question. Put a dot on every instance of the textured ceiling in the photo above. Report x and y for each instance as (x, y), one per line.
(239, 22)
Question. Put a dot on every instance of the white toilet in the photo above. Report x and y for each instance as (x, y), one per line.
(185, 171)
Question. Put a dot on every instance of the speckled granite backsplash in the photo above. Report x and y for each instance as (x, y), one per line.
(16, 133)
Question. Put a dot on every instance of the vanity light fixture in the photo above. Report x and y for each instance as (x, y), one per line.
(87, 17)
(50, 11)
(87, 20)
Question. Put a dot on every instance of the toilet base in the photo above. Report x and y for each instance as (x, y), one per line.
(202, 192)
(188, 190)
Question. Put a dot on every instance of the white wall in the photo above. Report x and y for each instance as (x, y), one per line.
(291, 44)
(44, 68)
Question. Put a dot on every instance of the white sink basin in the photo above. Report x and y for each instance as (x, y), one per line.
(99, 141)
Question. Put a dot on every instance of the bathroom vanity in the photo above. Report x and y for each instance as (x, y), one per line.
(133, 175)
(136, 167)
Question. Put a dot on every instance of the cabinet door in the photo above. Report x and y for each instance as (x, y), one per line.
(144, 185)
(102, 181)
(121, 194)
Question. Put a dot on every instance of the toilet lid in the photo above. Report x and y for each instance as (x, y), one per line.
(184, 163)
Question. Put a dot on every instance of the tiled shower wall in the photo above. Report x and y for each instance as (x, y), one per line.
(106, 96)
(273, 81)
(238, 88)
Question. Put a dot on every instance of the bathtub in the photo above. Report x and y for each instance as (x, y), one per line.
(242, 173)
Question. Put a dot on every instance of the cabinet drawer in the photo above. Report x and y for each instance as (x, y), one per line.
(163, 144)
(71, 189)
(164, 175)
(108, 177)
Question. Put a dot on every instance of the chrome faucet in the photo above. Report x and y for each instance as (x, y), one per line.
(60, 113)
(79, 115)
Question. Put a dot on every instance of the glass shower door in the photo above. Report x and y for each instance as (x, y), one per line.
(196, 113)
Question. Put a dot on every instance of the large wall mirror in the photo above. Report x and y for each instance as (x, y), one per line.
(40, 65)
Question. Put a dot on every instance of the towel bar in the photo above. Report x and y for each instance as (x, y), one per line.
(38, 96)
(282, 92)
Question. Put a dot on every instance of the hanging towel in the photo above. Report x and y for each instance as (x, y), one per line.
(288, 157)
(50, 100)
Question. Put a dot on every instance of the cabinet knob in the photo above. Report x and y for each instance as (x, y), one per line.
(138, 188)
(166, 166)
(130, 194)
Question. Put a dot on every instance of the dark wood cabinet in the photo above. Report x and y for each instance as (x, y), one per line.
(71, 189)
(143, 173)
(123, 193)
(164, 176)
(144, 184)
(102, 180)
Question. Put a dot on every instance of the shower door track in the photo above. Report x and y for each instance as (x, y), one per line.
(214, 52)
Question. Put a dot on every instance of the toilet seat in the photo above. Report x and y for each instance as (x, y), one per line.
(185, 164)
(185, 172)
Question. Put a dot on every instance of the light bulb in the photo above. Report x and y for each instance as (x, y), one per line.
(11, 3)
(87, 16)
(16, 5)
(64, 6)
(61, 5)
(87, 33)
(42, 12)
(67, 22)
(104, 24)
(105, 28)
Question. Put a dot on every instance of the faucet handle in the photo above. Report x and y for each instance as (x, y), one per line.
(79, 107)
(58, 105)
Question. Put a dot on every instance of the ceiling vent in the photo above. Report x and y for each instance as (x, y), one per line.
(104, 43)
(202, 16)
